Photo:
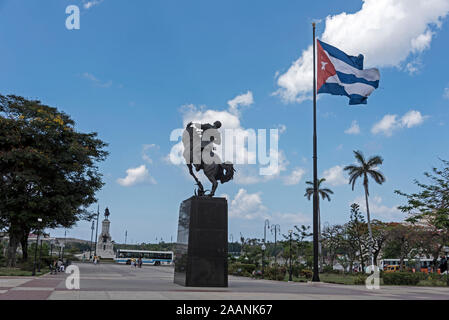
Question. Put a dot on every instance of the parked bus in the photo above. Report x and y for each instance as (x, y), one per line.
(155, 258)
(422, 265)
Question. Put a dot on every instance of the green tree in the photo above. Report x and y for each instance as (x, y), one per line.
(365, 169)
(403, 242)
(48, 169)
(430, 208)
(332, 238)
(357, 236)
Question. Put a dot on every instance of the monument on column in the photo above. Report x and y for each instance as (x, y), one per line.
(201, 251)
(105, 247)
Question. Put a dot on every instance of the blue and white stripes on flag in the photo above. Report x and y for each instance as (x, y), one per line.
(341, 74)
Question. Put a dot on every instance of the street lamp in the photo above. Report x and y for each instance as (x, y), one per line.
(65, 237)
(91, 238)
(39, 220)
(265, 225)
(290, 271)
(263, 253)
(40, 256)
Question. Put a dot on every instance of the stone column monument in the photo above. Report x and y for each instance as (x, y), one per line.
(105, 248)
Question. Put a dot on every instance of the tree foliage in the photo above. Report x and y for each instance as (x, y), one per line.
(48, 169)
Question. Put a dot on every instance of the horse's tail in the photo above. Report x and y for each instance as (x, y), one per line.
(227, 172)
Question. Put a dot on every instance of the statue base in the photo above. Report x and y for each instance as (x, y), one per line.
(201, 251)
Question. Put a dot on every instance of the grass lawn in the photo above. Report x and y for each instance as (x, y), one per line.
(17, 272)
(349, 279)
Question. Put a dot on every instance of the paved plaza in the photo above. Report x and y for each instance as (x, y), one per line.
(112, 281)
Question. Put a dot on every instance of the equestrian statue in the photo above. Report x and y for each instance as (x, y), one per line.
(198, 140)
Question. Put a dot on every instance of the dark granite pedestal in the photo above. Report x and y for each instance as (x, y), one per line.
(202, 248)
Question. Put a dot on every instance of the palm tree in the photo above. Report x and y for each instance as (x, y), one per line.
(366, 169)
(325, 194)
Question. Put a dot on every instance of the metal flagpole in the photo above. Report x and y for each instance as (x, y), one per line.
(316, 277)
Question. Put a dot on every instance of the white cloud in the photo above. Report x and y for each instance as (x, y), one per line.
(282, 128)
(334, 176)
(446, 93)
(247, 206)
(295, 177)
(386, 32)
(89, 4)
(96, 81)
(135, 176)
(379, 210)
(390, 122)
(411, 119)
(386, 125)
(146, 148)
(354, 128)
(241, 100)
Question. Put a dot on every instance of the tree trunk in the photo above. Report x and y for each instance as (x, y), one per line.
(24, 244)
(371, 241)
(14, 240)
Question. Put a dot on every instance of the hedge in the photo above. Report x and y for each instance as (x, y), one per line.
(401, 278)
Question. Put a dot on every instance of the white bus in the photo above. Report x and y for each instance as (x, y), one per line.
(156, 258)
(421, 265)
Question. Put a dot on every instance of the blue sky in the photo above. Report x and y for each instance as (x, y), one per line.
(132, 68)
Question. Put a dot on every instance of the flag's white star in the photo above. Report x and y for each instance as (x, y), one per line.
(323, 65)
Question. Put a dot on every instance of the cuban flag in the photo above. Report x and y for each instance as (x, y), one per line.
(341, 74)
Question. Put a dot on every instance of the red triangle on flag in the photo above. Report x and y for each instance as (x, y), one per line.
(325, 68)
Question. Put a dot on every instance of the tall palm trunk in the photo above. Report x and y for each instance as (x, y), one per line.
(371, 239)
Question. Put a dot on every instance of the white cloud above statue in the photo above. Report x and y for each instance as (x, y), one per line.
(134, 176)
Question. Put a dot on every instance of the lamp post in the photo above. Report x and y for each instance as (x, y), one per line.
(263, 253)
(92, 227)
(39, 220)
(277, 229)
(40, 256)
(290, 271)
(265, 225)
(63, 247)
(51, 248)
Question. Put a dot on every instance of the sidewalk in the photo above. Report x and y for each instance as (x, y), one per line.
(29, 288)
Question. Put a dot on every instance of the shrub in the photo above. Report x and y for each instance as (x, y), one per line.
(241, 269)
(273, 273)
(306, 273)
(401, 278)
(360, 278)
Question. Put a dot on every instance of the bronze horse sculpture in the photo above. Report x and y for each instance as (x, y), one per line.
(194, 149)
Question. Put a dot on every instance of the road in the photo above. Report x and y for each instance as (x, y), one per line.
(111, 281)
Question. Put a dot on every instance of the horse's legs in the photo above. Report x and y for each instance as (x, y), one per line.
(200, 186)
(214, 185)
